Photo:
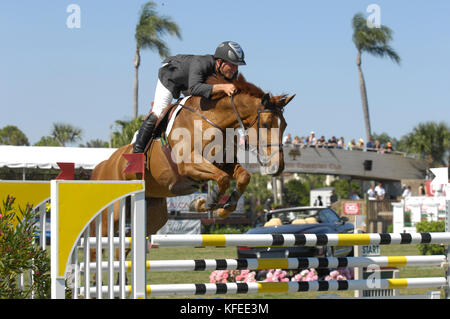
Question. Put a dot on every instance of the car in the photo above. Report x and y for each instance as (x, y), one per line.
(300, 220)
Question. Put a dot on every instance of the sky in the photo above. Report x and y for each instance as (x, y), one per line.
(83, 76)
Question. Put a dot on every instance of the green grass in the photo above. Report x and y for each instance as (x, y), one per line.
(207, 253)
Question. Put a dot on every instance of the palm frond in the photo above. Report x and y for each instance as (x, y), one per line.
(374, 41)
(152, 27)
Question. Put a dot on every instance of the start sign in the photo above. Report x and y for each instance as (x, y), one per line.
(352, 208)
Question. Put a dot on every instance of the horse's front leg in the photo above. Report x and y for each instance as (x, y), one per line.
(206, 171)
(242, 178)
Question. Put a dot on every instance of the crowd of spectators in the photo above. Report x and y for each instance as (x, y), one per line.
(312, 141)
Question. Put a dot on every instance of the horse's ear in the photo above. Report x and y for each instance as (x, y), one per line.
(281, 100)
(265, 100)
(286, 101)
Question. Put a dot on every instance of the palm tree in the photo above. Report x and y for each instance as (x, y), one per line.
(65, 133)
(430, 140)
(124, 131)
(375, 41)
(149, 30)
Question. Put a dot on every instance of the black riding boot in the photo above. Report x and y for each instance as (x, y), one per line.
(145, 133)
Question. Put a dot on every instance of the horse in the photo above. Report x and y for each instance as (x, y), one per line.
(193, 161)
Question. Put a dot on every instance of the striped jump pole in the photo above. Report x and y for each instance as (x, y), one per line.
(278, 263)
(283, 287)
(291, 240)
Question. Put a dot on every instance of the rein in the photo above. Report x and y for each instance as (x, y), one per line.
(241, 124)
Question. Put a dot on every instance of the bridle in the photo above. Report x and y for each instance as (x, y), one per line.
(244, 130)
(260, 111)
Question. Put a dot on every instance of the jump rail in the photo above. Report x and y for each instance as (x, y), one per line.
(291, 240)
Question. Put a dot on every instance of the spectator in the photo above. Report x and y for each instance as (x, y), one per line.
(360, 145)
(379, 191)
(377, 145)
(370, 147)
(351, 145)
(322, 142)
(312, 140)
(407, 192)
(341, 143)
(318, 201)
(304, 141)
(371, 193)
(296, 141)
(421, 190)
(389, 148)
(354, 195)
(287, 139)
(332, 142)
(333, 197)
(381, 150)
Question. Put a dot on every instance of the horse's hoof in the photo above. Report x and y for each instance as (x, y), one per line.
(221, 213)
(196, 205)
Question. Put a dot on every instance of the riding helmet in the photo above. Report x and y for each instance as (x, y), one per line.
(230, 51)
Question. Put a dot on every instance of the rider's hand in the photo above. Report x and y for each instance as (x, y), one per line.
(229, 89)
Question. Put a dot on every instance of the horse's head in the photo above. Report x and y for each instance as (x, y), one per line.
(262, 118)
(269, 128)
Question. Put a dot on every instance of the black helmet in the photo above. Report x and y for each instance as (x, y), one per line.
(230, 51)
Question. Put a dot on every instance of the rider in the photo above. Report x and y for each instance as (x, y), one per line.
(189, 73)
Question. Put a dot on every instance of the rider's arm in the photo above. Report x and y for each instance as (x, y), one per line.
(199, 71)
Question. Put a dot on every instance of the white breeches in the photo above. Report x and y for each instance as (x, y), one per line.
(163, 98)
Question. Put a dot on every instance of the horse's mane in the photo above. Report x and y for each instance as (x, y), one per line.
(240, 83)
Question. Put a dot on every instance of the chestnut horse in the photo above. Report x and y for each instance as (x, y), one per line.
(195, 163)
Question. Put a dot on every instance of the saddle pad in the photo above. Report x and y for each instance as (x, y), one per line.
(174, 115)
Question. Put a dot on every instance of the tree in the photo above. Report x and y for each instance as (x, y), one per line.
(296, 193)
(374, 41)
(384, 137)
(124, 131)
(65, 133)
(430, 140)
(98, 143)
(12, 135)
(47, 141)
(149, 30)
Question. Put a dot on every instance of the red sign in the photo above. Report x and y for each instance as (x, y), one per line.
(351, 208)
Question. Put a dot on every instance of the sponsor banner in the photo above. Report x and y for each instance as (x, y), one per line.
(181, 226)
(351, 208)
(181, 203)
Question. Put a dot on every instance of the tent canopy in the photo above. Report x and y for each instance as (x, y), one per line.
(47, 157)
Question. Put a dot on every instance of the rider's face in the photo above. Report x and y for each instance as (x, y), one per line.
(228, 69)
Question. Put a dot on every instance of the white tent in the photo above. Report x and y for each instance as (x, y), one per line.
(47, 157)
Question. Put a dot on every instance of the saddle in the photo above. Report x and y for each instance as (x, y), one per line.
(161, 124)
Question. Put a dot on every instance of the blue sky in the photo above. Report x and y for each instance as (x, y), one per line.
(84, 77)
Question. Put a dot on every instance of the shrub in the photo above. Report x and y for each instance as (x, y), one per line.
(227, 229)
(19, 254)
(429, 227)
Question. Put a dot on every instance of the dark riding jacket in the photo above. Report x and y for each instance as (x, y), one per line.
(187, 74)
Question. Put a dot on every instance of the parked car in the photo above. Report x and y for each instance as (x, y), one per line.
(300, 220)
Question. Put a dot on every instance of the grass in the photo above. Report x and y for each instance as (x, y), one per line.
(207, 253)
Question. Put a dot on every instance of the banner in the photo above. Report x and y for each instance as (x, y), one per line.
(181, 203)
(181, 226)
